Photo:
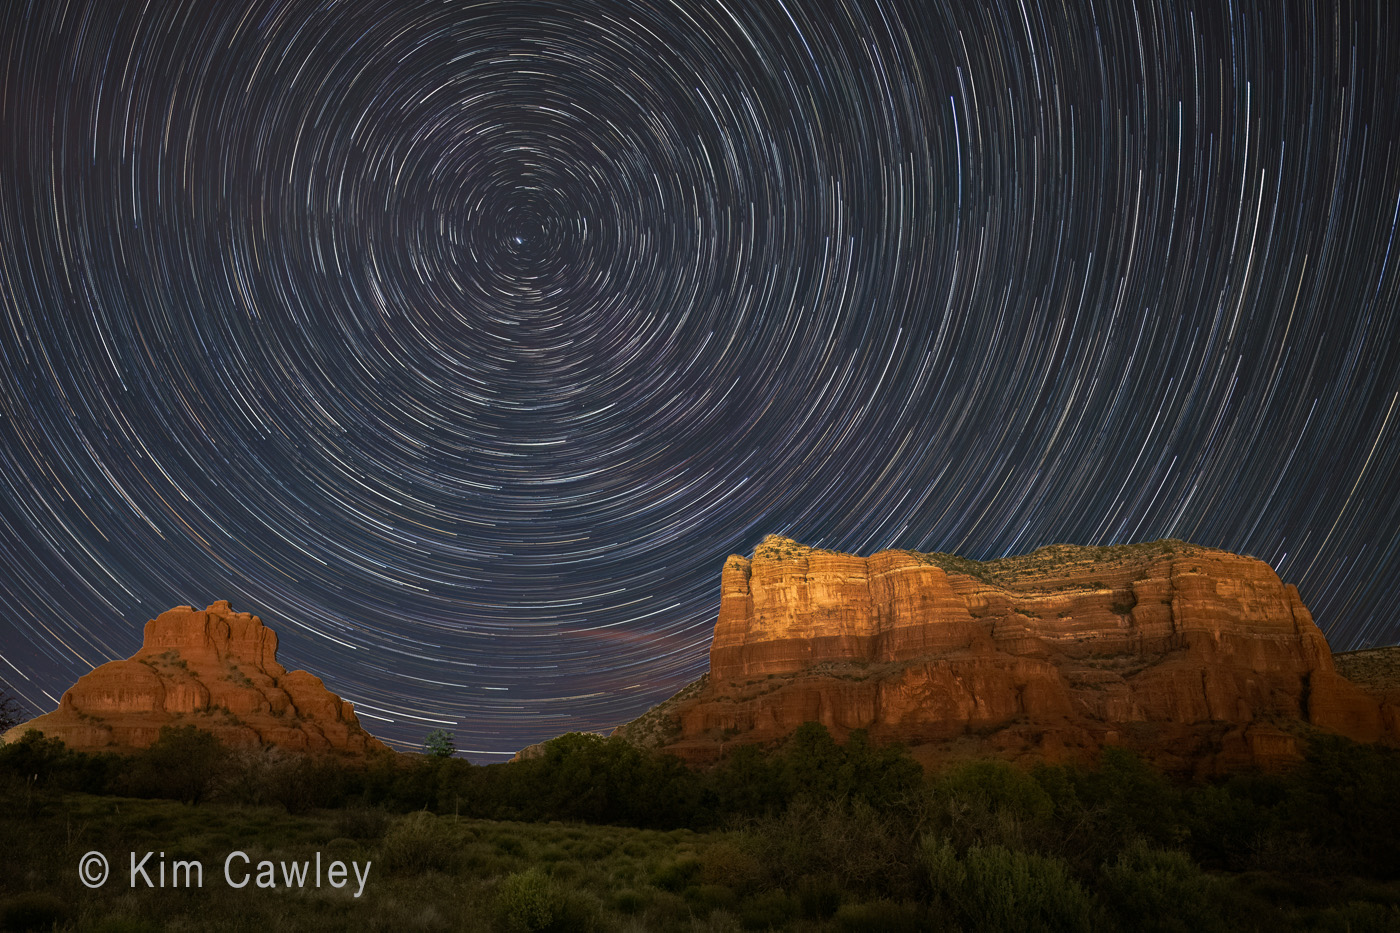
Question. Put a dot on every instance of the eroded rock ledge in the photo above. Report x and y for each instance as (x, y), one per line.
(1202, 659)
(213, 668)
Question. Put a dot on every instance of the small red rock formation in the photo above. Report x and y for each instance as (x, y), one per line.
(1201, 659)
(213, 668)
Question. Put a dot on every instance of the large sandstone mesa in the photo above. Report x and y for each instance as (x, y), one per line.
(212, 668)
(1201, 659)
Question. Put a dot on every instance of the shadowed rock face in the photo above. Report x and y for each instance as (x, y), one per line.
(1200, 658)
(213, 668)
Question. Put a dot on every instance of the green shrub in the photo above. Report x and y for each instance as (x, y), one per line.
(303, 782)
(1344, 798)
(706, 898)
(39, 763)
(991, 803)
(848, 841)
(528, 900)
(673, 876)
(882, 917)
(182, 764)
(509, 845)
(440, 744)
(767, 910)
(1155, 890)
(630, 901)
(996, 888)
(532, 901)
(733, 865)
(1359, 917)
(417, 843)
(361, 823)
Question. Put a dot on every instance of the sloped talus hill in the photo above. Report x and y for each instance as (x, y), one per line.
(212, 668)
(1202, 659)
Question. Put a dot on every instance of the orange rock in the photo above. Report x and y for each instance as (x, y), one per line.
(213, 668)
(1185, 652)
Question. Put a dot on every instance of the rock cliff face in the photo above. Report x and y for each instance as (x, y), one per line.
(213, 668)
(1201, 659)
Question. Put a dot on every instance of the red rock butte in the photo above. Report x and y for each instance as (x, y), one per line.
(1201, 659)
(212, 668)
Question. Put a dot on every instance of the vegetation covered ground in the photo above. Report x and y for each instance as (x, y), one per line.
(598, 835)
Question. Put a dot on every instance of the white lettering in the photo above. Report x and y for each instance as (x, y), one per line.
(228, 877)
(363, 878)
(140, 868)
(188, 867)
(296, 875)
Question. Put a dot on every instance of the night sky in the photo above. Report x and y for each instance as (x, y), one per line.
(462, 341)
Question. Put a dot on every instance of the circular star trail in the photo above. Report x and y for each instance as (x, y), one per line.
(462, 341)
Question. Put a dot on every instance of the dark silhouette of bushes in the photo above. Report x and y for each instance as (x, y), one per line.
(849, 835)
(183, 763)
(996, 888)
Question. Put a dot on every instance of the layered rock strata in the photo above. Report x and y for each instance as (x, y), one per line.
(1202, 659)
(213, 668)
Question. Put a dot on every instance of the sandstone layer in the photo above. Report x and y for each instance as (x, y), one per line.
(1202, 659)
(212, 668)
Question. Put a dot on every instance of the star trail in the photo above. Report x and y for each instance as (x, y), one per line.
(462, 341)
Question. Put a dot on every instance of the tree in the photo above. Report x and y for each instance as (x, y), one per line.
(440, 744)
(12, 712)
(183, 764)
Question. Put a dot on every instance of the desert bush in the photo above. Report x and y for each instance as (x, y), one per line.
(767, 910)
(529, 900)
(811, 764)
(677, 874)
(1162, 891)
(707, 898)
(990, 803)
(996, 888)
(844, 840)
(665, 911)
(882, 917)
(1344, 798)
(1130, 799)
(266, 774)
(630, 901)
(304, 782)
(182, 764)
(731, 863)
(43, 764)
(1359, 917)
(417, 843)
(363, 823)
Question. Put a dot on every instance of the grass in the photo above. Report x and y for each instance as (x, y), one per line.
(426, 872)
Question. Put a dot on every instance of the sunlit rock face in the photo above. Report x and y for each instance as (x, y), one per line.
(1202, 659)
(213, 668)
